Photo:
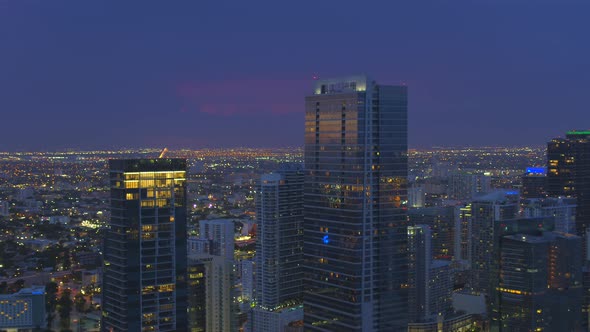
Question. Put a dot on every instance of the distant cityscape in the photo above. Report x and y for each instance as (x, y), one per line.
(352, 232)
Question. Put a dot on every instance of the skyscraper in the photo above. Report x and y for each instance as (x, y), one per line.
(145, 254)
(541, 284)
(568, 173)
(279, 249)
(216, 261)
(355, 235)
(486, 213)
(430, 282)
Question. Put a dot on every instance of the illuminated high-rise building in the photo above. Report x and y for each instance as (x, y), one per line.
(355, 228)
(568, 173)
(145, 253)
(541, 284)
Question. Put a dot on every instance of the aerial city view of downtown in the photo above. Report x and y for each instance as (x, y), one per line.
(289, 167)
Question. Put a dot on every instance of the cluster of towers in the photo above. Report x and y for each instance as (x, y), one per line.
(337, 248)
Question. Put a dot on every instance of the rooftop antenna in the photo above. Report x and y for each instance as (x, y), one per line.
(163, 153)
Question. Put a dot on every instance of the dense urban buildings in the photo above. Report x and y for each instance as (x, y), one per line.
(145, 251)
(354, 202)
(58, 206)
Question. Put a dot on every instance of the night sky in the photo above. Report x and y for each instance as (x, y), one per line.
(110, 74)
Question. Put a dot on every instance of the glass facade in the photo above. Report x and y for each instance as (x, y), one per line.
(541, 283)
(279, 253)
(568, 173)
(144, 283)
(355, 239)
(279, 249)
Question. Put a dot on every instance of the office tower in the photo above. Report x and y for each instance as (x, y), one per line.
(563, 209)
(216, 261)
(145, 253)
(441, 221)
(430, 281)
(534, 183)
(24, 310)
(279, 249)
(465, 186)
(541, 284)
(486, 212)
(354, 204)
(568, 173)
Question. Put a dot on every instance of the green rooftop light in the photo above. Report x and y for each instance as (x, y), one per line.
(573, 132)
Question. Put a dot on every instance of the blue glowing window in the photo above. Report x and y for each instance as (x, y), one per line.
(536, 170)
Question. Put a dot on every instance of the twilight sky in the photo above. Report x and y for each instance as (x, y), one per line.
(101, 74)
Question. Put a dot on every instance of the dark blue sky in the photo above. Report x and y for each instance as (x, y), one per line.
(82, 74)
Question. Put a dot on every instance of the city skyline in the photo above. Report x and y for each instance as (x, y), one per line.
(231, 166)
(223, 76)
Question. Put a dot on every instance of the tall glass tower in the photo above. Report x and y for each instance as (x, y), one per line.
(355, 235)
(568, 173)
(279, 252)
(145, 254)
